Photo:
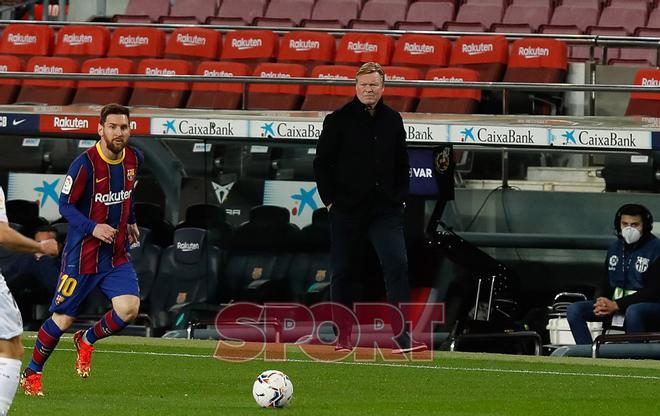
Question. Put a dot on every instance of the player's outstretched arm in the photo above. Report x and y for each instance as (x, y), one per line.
(15, 241)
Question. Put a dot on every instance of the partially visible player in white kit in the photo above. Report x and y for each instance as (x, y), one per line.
(11, 324)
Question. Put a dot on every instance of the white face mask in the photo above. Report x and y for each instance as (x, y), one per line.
(631, 235)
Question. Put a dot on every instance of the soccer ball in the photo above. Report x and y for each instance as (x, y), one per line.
(272, 389)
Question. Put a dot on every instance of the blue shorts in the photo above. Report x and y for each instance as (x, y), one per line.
(72, 290)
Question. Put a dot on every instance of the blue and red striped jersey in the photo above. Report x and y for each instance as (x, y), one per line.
(98, 190)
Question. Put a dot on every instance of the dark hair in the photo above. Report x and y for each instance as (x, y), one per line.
(113, 109)
(635, 210)
(49, 229)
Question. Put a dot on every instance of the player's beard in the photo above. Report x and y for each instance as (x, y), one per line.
(115, 146)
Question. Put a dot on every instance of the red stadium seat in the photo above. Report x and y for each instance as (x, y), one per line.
(218, 96)
(421, 51)
(645, 103)
(390, 12)
(161, 94)
(536, 61)
(583, 52)
(273, 22)
(450, 100)
(511, 28)
(136, 43)
(579, 16)
(197, 10)
(48, 92)
(307, 48)
(355, 48)
(26, 40)
(341, 10)
(401, 98)
(276, 96)
(464, 27)
(194, 44)
(485, 54)
(485, 14)
(82, 42)
(295, 10)
(9, 87)
(534, 16)
(430, 11)
(103, 92)
(152, 9)
(369, 24)
(250, 46)
(628, 17)
(245, 9)
(329, 97)
(322, 24)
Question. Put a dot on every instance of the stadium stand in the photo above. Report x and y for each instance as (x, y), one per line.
(645, 103)
(487, 55)
(9, 87)
(276, 96)
(329, 97)
(250, 47)
(137, 43)
(530, 15)
(580, 16)
(49, 92)
(450, 100)
(293, 10)
(483, 15)
(627, 15)
(101, 92)
(82, 42)
(218, 96)
(390, 12)
(161, 94)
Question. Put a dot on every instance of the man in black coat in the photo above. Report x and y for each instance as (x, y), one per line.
(362, 173)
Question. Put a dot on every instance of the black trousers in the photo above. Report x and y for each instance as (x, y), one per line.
(382, 225)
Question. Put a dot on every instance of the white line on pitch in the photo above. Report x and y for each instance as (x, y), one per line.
(421, 366)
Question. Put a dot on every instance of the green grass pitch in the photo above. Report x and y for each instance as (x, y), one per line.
(142, 376)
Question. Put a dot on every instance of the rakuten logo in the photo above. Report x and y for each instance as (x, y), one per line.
(448, 79)
(190, 40)
(274, 75)
(48, 69)
(103, 70)
(394, 78)
(650, 82)
(187, 247)
(301, 45)
(133, 41)
(160, 71)
(333, 76)
(20, 39)
(4, 68)
(77, 39)
(243, 44)
(66, 123)
(418, 49)
(362, 47)
(214, 73)
(112, 198)
(477, 48)
(530, 52)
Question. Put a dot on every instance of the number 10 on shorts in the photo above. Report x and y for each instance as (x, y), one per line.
(66, 287)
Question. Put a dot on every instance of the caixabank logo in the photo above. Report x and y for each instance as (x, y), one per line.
(604, 139)
(499, 135)
(198, 127)
(426, 133)
(288, 129)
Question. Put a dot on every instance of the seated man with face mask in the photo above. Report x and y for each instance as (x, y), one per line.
(630, 293)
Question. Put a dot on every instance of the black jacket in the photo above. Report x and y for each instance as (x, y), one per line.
(361, 158)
